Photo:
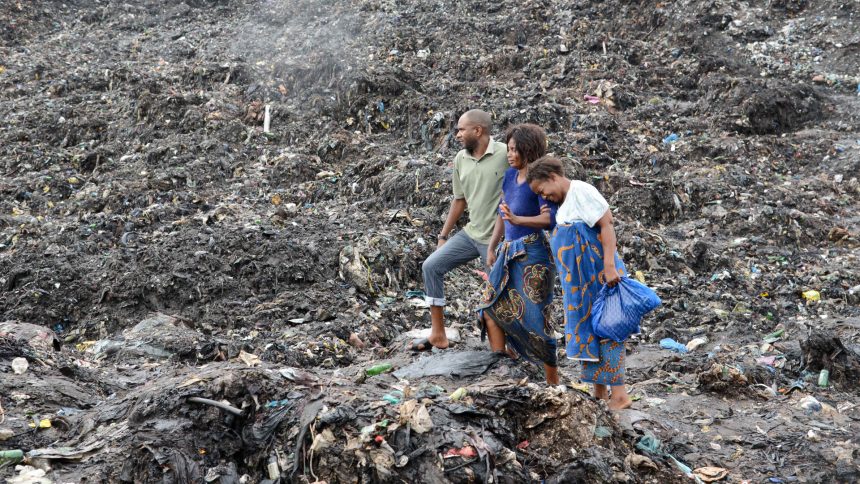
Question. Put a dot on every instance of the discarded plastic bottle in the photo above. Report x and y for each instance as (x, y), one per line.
(378, 369)
(8, 457)
(272, 468)
(824, 378)
(778, 333)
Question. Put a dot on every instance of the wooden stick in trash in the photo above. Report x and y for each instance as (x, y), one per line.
(267, 120)
(223, 406)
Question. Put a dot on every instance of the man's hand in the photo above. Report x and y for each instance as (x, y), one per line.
(611, 276)
(508, 215)
(491, 257)
(440, 242)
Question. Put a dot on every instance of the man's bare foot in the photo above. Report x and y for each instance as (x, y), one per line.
(440, 342)
(619, 405)
(427, 344)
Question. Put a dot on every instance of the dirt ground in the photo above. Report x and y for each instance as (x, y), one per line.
(158, 247)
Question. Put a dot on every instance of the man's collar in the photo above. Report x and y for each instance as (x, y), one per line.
(491, 150)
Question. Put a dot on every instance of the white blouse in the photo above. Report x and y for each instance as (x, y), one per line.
(583, 203)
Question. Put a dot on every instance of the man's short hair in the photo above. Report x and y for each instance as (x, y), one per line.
(479, 118)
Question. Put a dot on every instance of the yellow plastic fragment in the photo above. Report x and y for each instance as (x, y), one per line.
(43, 424)
(84, 345)
(458, 394)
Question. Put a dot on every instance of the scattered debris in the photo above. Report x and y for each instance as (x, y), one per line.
(208, 234)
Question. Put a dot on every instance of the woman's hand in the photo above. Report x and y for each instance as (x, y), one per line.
(491, 256)
(508, 215)
(611, 275)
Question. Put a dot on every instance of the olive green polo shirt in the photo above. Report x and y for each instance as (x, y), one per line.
(479, 181)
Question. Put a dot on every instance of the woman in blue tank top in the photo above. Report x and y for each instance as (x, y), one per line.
(516, 300)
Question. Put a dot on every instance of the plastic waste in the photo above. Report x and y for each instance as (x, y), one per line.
(43, 424)
(272, 466)
(649, 443)
(696, 342)
(20, 365)
(393, 397)
(670, 344)
(810, 404)
(778, 333)
(8, 457)
(467, 452)
(777, 361)
(618, 310)
(824, 378)
(378, 369)
(458, 394)
(812, 295)
(464, 364)
(671, 139)
(368, 430)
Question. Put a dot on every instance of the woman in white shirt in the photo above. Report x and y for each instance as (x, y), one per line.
(584, 246)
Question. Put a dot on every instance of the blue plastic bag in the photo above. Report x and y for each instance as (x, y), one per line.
(617, 311)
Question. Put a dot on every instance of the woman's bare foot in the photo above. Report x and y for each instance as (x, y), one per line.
(619, 399)
(619, 404)
(601, 392)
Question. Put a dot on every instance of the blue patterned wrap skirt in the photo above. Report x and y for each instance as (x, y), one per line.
(518, 297)
(578, 253)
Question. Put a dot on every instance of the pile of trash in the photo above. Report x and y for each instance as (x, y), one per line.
(244, 418)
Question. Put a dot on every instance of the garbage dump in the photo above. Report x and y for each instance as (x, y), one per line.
(213, 217)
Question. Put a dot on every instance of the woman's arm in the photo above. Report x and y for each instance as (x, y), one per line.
(541, 221)
(498, 234)
(609, 243)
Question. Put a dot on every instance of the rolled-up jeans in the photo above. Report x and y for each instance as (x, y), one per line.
(460, 249)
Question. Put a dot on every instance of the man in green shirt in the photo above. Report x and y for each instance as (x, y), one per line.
(479, 169)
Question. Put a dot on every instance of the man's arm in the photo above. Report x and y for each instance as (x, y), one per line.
(458, 206)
